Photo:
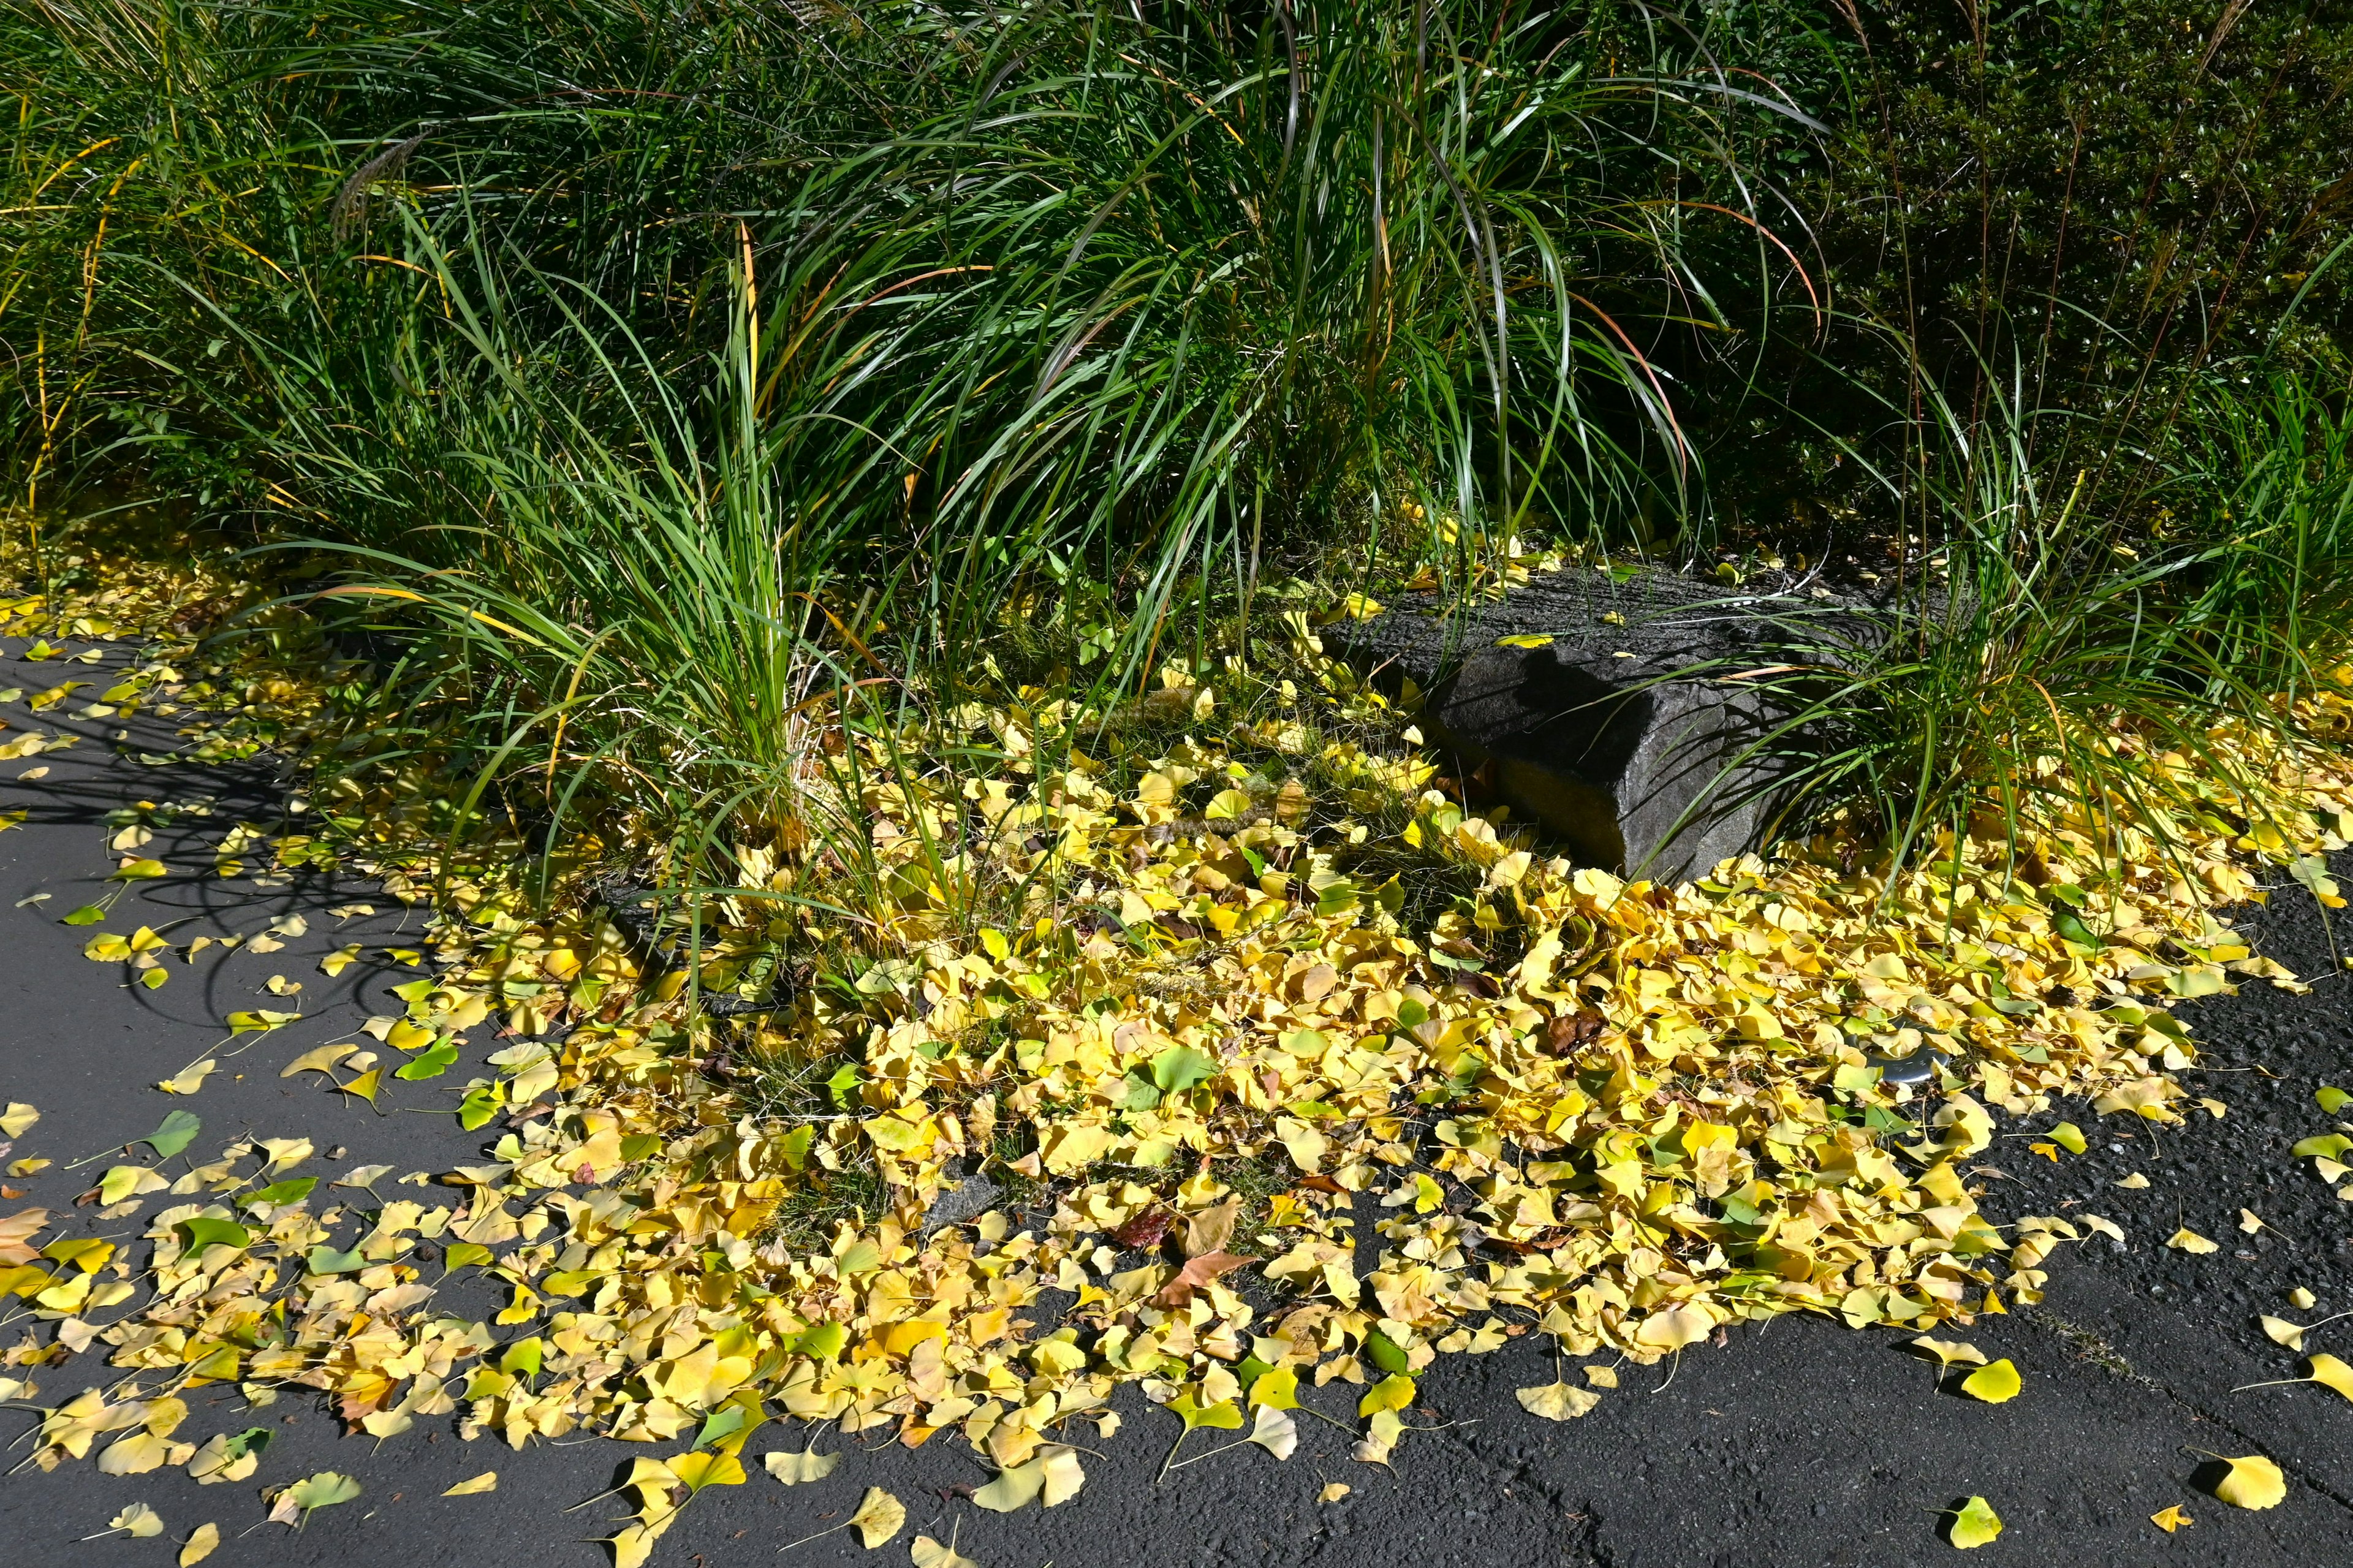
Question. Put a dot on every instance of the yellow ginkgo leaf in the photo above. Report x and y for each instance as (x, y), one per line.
(879, 1517)
(318, 1059)
(635, 1543)
(2252, 1482)
(2136, 1181)
(703, 1469)
(2187, 1240)
(1557, 1401)
(2280, 1332)
(1014, 1488)
(199, 1544)
(1974, 1523)
(929, 1553)
(1674, 1329)
(1334, 1491)
(1063, 1476)
(1394, 1392)
(474, 1486)
(1278, 1389)
(794, 1468)
(1949, 1352)
(138, 1521)
(1274, 1431)
(188, 1079)
(2171, 1518)
(2330, 1372)
(1993, 1383)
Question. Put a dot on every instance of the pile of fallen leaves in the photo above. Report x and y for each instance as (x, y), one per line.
(1158, 1004)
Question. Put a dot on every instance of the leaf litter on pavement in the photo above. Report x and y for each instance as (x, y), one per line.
(1184, 1005)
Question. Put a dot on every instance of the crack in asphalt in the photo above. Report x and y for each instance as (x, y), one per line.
(2089, 1346)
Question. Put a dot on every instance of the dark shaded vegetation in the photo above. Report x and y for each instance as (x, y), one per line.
(654, 389)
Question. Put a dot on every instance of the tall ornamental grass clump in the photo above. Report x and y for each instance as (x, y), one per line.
(2076, 610)
(1135, 306)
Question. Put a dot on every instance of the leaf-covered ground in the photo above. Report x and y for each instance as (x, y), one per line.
(1177, 1008)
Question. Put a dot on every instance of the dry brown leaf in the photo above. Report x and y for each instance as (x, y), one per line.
(1209, 1230)
(1197, 1272)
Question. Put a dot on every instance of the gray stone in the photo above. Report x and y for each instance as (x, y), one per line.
(1621, 734)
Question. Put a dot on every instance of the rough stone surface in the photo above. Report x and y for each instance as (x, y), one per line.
(1620, 734)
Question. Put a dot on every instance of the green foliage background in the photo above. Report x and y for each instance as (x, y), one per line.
(645, 376)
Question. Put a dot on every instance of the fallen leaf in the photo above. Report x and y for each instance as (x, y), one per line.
(1394, 1392)
(2252, 1482)
(1949, 1352)
(1674, 1329)
(1974, 1524)
(1197, 1272)
(1334, 1491)
(200, 1544)
(2068, 1136)
(1222, 1414)
(793, 1469)
(188, 1079)
(929, 1553)
(1380, 1438)
(488, 1481)
(1276, 1390)
(1207, 1232)
(2135, 1180)
(17, 1117)
(1275, 1432)
(879, 1517)
(1014, 1488)
(1994, 1382)
(2280, 1332)
(1064, 1476)
(2170, 1519)
(2330, 1372)
(1143, 1231)
(139, 1519)
(2187, 1240)
(295, 1505)
(703, 1469)
(1557, 1401)
(2250, 1222)
(129, 1181)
